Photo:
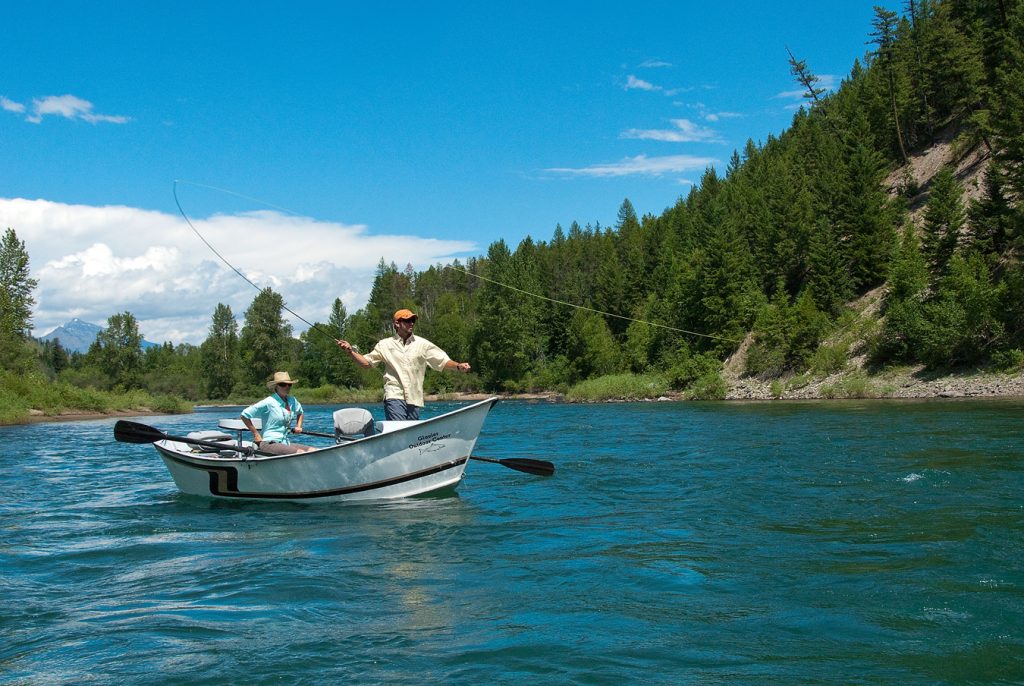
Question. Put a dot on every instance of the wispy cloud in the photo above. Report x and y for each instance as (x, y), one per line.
(11, 106)
(718, 116)
(67, 106)
(826, 81)
(655, 64)
(633, 83)
(639, 165)
(685, 131)
(92, 262)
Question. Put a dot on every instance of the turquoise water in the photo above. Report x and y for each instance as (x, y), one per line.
(830, 543)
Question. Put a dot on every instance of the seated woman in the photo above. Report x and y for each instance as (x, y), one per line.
(276, 412)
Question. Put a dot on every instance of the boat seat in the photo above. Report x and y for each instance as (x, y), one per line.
(353, 421)
(239, 428)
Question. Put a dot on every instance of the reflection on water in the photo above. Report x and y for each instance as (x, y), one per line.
(688, 543)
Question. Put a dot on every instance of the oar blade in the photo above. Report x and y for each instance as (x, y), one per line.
(522, 464)
(133, 432)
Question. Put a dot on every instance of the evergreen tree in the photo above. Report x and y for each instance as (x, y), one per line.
(610, 292)
(219, 353)
(16, 301)
(885, 24)
(943, 219)
(828, 278)
(118, 350)
(995, 223)
(866, 219)
(265, 340)
(904, 325)
(1008, 105)
(505, 338)
(630, 247)
(591, 350)
(964, 317)
(804, 76)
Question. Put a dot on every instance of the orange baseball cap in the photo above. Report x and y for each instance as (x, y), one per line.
(405, 314)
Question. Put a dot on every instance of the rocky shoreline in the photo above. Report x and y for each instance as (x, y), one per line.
(897, 384)
(903, 383)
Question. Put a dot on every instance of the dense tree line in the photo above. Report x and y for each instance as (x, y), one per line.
(775, 247)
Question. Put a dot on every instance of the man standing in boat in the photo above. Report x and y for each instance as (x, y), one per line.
(406, 358)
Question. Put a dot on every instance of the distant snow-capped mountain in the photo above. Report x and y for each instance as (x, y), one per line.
(77, 335)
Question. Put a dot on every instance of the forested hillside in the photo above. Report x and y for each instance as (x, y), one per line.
(782, 240)
(772, 256)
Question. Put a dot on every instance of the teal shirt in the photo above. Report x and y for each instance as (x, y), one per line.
(276, 418)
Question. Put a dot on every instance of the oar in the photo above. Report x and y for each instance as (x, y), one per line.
(539, 467)
(133, 432)
(521, 464)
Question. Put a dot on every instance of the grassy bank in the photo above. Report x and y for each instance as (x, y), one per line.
(23, 396)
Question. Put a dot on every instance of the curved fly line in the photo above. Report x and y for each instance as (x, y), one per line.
(459, 269)
(225, 260)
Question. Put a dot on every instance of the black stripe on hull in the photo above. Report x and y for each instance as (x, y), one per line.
(224, 481)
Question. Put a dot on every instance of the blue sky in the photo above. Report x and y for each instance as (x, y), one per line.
(415, 132)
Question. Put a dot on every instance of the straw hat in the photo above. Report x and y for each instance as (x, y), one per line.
(280, 377)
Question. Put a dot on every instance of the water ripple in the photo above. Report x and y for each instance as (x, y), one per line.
(677, 543)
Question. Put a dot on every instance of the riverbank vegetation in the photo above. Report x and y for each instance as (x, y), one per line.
(902, 187)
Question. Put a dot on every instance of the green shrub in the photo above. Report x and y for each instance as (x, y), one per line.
(827, 359)
(686, 367)
(708, 387)
(618, 387)
(854, 386)
(1009, 360)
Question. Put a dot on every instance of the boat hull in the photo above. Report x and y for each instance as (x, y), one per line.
(412, 458)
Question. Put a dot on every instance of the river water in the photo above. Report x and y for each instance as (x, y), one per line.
(677, 543)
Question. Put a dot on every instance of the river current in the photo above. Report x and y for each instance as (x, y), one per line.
(875, 542)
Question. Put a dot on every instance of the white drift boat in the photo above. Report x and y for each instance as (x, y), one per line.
(405, 459)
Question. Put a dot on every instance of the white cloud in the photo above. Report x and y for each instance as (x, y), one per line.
(11, 106)
(718, 116)
(633, 83)
(93, 262)
(685, 131)
(639, 165)
(655, 64)
(825, 81)
(69, 107)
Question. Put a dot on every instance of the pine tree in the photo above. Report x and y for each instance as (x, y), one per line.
(904, 325)
(866, 219)
(828, 277)
(119, 351)
(219, 353)
(265, 340)
(798, 68)
(943, 219)
(610, 292)
(885, 24)
(16, 302)
(1008, 105)
(505, 338)
(995, 224)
